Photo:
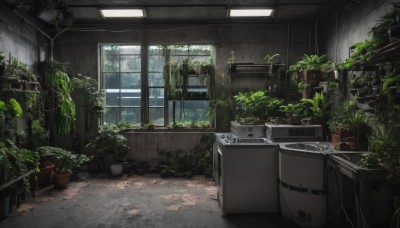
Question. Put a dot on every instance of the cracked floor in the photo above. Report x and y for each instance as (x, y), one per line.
(134, 201)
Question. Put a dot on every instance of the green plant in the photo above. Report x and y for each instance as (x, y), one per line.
(311, 63)
(59, 82)
(109, 141)
(363, 53)
(273, 107)
(340, 115)
(64, 160)
(29, 159)
(319, 105)
(389, 81)
(39, 135)
(2, 62)
(177, 163)
(87, 87)
(253, 104)
(303, 85)
(12, 108)
(270, 58)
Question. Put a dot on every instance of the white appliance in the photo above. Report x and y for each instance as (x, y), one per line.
(246, 175)
(302, 173)
(250, 131)
(293, 133)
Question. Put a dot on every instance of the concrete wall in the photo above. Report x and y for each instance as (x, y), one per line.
(251, 41)
(343, 28)
(18, 38)
(145, 146)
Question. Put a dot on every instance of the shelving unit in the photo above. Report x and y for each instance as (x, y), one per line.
(255, 76)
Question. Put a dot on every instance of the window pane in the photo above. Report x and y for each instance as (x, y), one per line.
(130, 81)
(111, 81)
(179, 49)
(111, 115)
(156, 79)
(156, 63)
(131, 115)
(200, 58)
(130, 49)
(155, 50)
(178, 59)
(156, 97)
(130, 63)
(130, 97)
(192, 110)
(156, 115)
(111, 50)
(200, 50)
(197, 81)
(111, 64)
(112, 97)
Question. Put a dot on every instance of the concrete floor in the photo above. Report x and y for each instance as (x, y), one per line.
(134, 201)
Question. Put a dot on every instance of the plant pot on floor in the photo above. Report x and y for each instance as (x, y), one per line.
(116, 169)
(61, 179)
(43, 176)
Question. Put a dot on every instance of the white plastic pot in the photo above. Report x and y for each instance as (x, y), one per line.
(116, 169)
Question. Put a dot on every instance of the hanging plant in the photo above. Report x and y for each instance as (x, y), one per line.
(58, 81)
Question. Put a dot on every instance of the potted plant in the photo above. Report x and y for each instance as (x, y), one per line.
(65, 161)
(346, 124)
(319, 107)
(311, 67)
(109, 144)
(251, 106)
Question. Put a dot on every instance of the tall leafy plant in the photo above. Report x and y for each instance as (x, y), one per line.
(59, 82)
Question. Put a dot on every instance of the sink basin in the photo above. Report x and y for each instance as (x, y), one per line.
(251, 140)
(305, 147)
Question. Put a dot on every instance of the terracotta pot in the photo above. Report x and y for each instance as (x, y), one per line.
(43, 177)
(61, 179)
(312, 77)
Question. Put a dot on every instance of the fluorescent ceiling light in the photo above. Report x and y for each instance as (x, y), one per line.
(122, 13)
(250, 12)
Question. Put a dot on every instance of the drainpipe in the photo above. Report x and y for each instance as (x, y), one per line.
(42, 32)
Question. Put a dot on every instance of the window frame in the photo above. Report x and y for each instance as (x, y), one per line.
(144, 77)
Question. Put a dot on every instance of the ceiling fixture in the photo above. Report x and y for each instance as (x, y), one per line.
(122, 13)
(256, 12)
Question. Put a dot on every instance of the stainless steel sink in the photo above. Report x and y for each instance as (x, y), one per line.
(251, 140)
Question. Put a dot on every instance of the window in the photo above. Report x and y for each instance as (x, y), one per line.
(123, 81)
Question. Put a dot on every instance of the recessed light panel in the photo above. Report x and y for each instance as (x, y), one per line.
(122, 13)
(250, 12)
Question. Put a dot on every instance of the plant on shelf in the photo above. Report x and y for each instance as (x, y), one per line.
(319, 107)
(346, 124)
(362, 54)
(272, 108)
(109, 144)
(252, 106)
(11, 109)
(311, 67)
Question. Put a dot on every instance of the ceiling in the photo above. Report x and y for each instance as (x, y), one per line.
(87, 11)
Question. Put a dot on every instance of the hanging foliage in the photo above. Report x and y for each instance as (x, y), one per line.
(59, 82)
